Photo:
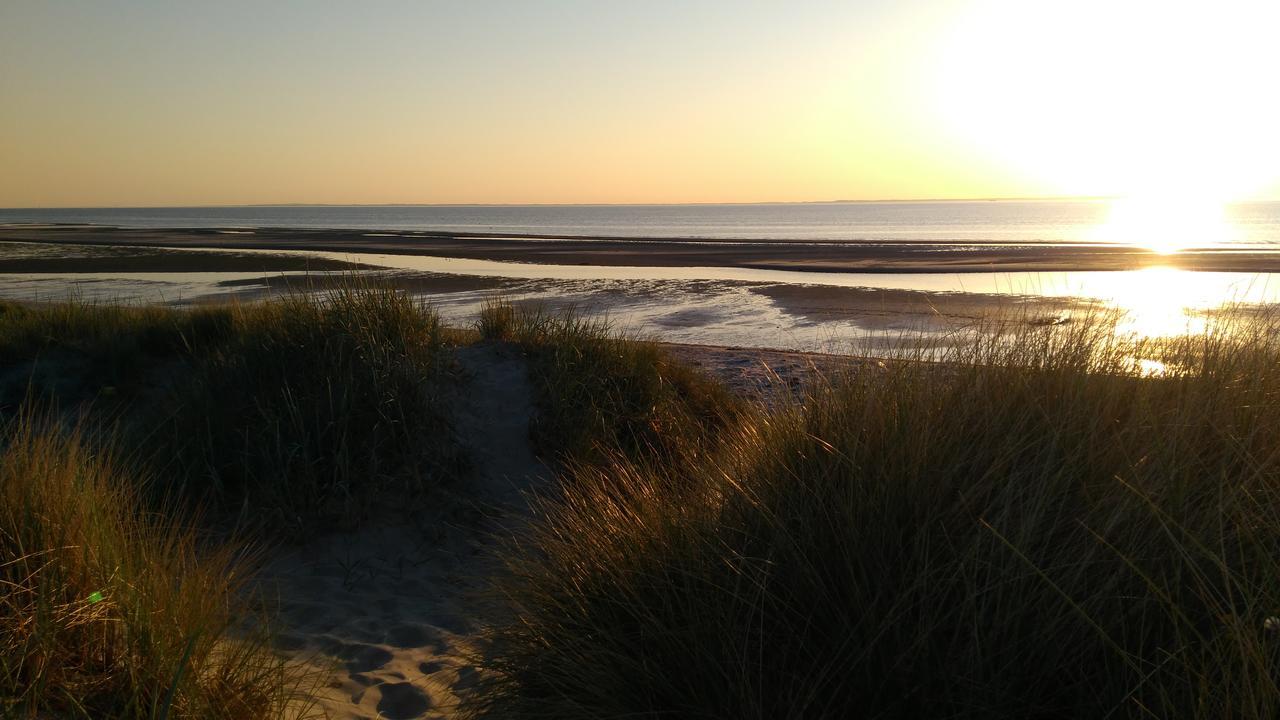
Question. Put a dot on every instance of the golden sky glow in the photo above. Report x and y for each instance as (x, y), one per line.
(170, 103)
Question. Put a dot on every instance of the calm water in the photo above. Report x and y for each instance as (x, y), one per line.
(1256, 223)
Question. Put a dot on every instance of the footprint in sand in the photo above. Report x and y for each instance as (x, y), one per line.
(402, 701)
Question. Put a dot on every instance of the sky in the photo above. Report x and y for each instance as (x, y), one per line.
(158, 102)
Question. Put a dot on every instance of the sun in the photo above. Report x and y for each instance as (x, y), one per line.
(1137, 98)
(1166, 224)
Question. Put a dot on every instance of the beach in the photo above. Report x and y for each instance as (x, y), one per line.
(646, 361)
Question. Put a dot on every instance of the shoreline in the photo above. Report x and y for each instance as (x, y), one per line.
(786, 255)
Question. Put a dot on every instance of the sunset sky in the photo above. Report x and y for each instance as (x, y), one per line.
(176, 103)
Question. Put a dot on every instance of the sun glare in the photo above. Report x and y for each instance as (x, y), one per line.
(1155, 304)
(1136, 99)
(1166, 225)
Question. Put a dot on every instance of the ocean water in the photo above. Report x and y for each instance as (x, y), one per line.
(1058, 221)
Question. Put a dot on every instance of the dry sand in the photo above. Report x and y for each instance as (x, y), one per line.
(384, 615)
(919, 257)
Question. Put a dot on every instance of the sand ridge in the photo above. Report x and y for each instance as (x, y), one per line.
(383, 614)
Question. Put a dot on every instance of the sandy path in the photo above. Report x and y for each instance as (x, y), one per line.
(383, 613)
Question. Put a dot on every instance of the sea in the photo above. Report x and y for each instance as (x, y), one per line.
(1246, 223)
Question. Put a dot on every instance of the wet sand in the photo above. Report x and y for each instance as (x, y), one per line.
(891, 308)
(897, 257)
(798, 311)
(794, 315)
(413, 283)
(19, 257)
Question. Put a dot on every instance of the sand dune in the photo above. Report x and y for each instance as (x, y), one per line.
(384, 614)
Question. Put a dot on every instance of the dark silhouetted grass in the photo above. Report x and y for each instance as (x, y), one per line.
(600, 391)
(1027, 530)
(296, 414)
(317, 408)
(76, 352)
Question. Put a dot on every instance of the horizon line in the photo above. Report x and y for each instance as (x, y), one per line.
(1011, 198)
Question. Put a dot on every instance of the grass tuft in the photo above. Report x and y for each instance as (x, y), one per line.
(317, 408)
(296, 414)
(110, 611)
(601, 392)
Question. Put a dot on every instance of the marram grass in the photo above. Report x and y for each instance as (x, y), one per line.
(599, 390)
(110, 611)
(1026, 529)
(315, 408)
(293, 413)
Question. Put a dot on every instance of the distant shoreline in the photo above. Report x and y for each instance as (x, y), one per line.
(883, 201)
(693, 203)
(760, 254)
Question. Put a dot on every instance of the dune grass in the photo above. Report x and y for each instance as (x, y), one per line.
(601, 391)
(317, 408)
(291, 417)
(108, 333)
(1028, 528)
(1025, 530)
(77, 351)
(108, 610)
(294, 414)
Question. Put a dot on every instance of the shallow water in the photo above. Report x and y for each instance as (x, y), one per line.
(697, 305)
